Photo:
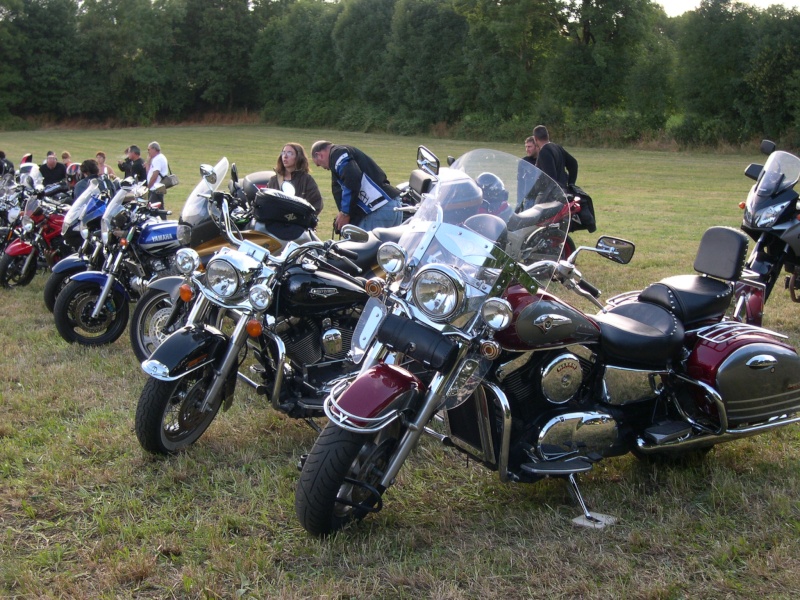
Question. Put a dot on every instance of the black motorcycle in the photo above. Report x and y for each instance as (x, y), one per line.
(294, 312)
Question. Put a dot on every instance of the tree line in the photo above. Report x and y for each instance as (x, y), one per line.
(611, 71)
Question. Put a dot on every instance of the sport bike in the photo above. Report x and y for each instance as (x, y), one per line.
(468, 340)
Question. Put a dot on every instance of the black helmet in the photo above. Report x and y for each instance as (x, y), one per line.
(494, 192)
(74, 174)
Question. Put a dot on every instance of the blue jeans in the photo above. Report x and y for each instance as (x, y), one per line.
(385, 216)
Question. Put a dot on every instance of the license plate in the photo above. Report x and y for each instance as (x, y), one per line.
(368, 324)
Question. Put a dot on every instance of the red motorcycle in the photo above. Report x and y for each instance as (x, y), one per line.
(466, 340)
(38, 243)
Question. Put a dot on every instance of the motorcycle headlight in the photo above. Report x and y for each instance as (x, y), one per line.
(392, 258)
(497, 313)
(768, 216)
(187, 260)
(260, 296)
(84, 232)
(222, 278)
(184, 234)
(438, 291)
(27, 224)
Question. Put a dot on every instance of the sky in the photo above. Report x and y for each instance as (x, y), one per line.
(678, 7)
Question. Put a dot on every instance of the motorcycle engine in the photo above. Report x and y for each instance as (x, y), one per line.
(308, 342)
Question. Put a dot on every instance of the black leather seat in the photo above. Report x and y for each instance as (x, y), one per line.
(695, 299)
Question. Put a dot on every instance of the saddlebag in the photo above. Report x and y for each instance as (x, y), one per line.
(278, 211)
(418, 341)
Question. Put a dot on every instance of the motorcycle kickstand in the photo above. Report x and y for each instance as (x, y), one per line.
(588, 519)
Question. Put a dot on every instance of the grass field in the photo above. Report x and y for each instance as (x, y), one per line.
(85, 513)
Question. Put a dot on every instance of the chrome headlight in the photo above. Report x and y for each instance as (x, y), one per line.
(187, 260)
(222, 278)
(260, 296)
(27, 224)
(497, 313)
(768, 216)
(439, 292)
(392, 258)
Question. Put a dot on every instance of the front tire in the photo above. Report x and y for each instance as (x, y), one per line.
(327, 497)
(11, 270)
(55, 283)
(73, 314)
(168, 416)
(147, 323)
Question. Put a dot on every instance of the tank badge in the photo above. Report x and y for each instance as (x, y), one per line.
(323, 292)
(548, 322)
(290, 217)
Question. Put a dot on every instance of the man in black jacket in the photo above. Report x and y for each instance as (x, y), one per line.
(52, 171)
(360, 188)
(553, 160)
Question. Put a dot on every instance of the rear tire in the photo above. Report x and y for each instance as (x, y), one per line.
(147, 323)
(168, 417)
(339, 455)
(73, 310)
(55, 283)
(11, 274)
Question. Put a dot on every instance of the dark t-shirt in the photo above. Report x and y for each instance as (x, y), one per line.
(54, 175)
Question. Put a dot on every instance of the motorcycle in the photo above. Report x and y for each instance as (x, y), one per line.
(38, 242)
(520, 380)
(295, 312)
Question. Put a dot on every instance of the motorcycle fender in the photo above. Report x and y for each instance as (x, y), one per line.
(379, 390)
(70, 263)
(100, 279)
(187, 349)
(19, 248)
(169, 285)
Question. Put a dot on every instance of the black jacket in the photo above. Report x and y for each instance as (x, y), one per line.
(359, 185)
(54, 175)
(558, 164)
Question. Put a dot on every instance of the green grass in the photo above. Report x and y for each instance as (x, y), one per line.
(85, 513)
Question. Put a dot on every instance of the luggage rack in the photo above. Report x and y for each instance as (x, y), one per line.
(727, 331)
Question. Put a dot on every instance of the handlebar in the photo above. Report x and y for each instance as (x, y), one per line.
(589, 288)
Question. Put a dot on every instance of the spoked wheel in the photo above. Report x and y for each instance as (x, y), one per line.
(13, 272)
(169, 416)
(341, 477)
(148, 323)
(55, 283)
(73, 314)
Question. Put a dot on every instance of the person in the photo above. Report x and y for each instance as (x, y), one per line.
(531, 151)
(292, 167)
(553, 160)
(104, 169)
(89, 171)
(134, 164)
(66, 158)
(52, 171)
(159, 167)
(6, 166)
(360, 188)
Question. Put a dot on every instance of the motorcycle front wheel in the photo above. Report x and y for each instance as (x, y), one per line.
(148, 320)
(13, 272)
(73, 314)
(340, 480)
(55, 283)
(169, 416)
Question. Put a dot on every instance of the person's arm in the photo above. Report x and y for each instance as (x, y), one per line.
(311, 193)
(571, 164)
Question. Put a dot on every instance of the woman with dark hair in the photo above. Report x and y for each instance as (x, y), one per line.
(292, 167)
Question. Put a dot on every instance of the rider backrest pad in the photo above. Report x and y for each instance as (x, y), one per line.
(722, 253)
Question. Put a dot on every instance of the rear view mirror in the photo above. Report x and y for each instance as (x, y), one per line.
(420, 181)
(207, 172)
(753, 171)
(427, 161)
(616, 249)
(354, 233)
(767, 147)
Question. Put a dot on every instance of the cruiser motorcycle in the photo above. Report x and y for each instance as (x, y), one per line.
(294, 312)
(526, 384)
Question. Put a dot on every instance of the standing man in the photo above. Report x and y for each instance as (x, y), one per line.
(6, 166)
(159, 167)
(553, 160)
(52, 171)
(134, 165)
(360, 188)
(531, 151)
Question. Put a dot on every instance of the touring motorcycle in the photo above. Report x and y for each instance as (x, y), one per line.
(468, 341)
(295, 312)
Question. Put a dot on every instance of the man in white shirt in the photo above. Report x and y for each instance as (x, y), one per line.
(158, 168)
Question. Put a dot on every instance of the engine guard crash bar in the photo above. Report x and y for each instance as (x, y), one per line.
(349, 421)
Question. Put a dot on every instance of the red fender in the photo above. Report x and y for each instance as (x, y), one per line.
(19, 248)
(378, 390)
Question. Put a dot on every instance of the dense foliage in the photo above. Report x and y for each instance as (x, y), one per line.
(598, 70)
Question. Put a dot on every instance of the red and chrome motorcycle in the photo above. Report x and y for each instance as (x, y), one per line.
(467, 341)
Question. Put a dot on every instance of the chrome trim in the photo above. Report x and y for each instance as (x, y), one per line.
(501, 400)
(343, 419)
(762, 361)
(727, 331)
(714, 396)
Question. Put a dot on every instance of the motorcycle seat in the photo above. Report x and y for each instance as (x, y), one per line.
(640, 334)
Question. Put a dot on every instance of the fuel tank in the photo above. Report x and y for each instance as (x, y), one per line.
(159, 239)
(543, 321)
(307, 292)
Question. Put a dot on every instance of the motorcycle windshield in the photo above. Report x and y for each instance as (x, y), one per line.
(781, 172)
(198, 208)
(113, 209)
(79, 205)
(487, 213)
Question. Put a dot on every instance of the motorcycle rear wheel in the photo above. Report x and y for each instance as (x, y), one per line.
(147, 323)
(326, 490)
(168, 416)
(73, 310)
(11, 271)
(55, 283)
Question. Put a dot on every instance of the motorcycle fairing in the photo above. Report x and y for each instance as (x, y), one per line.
(100, 279)
(186, 350)
(71, 263)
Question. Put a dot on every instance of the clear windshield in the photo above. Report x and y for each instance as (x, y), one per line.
(486, 213)
(76, 209)
(114, 207)
(197, 207)
(780, 173)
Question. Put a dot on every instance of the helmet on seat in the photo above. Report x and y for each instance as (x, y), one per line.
(494, 192)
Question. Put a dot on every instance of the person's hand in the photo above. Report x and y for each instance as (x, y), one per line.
(341, 219)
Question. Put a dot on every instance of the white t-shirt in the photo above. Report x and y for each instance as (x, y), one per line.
(158, 163)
